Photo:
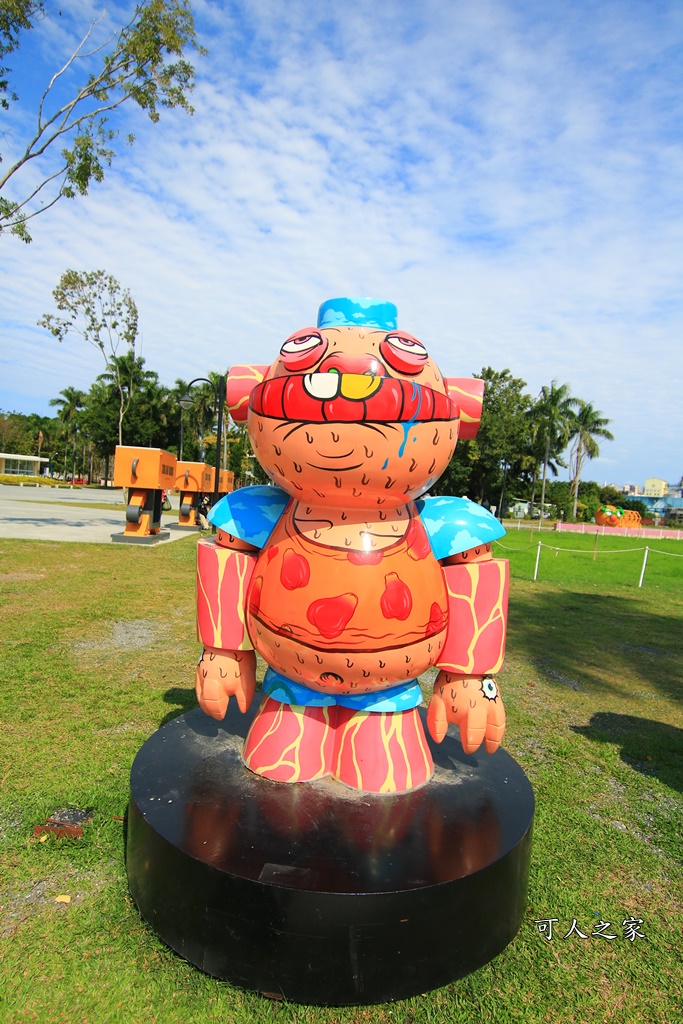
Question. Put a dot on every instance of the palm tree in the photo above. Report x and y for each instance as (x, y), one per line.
(70, 404)
(589, 425)
(552, 418)
(41, 430)
(177, 392)
(126, 375)
(203, 411)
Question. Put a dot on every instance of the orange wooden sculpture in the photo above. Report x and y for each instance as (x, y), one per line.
(345, 580)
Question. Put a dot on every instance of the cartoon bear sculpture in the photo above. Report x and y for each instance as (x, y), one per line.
(347, 582)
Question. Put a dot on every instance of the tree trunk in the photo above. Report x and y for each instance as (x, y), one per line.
(545, 473)
(577, 476)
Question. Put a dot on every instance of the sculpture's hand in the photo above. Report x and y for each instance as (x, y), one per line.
(471, 702)
(222, 675)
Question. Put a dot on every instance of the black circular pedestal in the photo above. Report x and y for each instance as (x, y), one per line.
(315, 892)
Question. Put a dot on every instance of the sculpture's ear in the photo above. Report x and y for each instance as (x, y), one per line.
(242, 379)
(468, 395)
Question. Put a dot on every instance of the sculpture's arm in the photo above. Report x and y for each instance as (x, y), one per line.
(465, 694)
(227, 666)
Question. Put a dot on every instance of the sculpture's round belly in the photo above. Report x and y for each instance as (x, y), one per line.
(347, 621)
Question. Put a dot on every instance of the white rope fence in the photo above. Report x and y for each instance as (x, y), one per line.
(580, 551)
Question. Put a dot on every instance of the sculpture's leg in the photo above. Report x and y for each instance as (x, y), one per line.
(382, 752)
(290, 743)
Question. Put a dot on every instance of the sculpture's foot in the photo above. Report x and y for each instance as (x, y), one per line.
(382, 752)
(288, 743)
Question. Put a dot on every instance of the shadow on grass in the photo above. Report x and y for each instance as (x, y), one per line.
(651, 748)
(184, 699)
(591, 641)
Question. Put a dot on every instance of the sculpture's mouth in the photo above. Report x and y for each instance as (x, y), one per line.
(350, 398)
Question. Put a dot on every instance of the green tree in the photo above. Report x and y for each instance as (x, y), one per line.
(100, 418)
(147, 405)
(15, 16)
(148, 422)
(15, 434)
(144, 63)
(589, 427)
(589, 500)
(70, 403)
(105, 315)
(200, 417)
(551, 420)
(480, 465)
(181, 442)
(611, 496)
(241, 458)
(558, 494)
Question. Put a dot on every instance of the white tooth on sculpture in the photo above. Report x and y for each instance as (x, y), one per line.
(322, 385)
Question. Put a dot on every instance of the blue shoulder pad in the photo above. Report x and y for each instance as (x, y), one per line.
(250, 513)
(454, 525)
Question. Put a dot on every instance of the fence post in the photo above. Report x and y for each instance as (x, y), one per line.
(642, 571)
(538, 558)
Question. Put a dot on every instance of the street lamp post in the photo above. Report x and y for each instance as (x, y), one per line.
(186, 402)
(502, 490)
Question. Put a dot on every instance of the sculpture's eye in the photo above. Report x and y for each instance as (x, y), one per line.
(403, 353)
(303, 349)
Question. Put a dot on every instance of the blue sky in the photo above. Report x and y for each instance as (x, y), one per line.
(509, 173)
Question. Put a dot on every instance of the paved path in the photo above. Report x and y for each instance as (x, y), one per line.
(42, 513)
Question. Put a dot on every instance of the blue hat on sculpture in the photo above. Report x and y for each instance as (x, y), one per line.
(355, 312)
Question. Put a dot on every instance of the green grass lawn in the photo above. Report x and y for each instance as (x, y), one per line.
(98, 650)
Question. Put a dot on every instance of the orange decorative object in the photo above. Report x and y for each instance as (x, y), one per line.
(223, 577)
(344, 578)
(193, 480)
(477, 617)
(242, 380)
(291, 744)
(146, 472)
(468, 394)
(614, 515)
(226, 481)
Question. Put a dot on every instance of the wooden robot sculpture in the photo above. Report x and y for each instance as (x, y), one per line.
(331, 870)
(345, 580)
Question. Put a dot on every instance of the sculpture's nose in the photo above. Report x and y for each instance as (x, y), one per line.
(363, 363)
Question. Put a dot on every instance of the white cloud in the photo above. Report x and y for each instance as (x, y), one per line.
(512, 182)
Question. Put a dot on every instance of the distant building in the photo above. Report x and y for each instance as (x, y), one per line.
(20, 465)
(655, 487)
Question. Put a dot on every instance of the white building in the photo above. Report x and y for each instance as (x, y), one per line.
(20, 465)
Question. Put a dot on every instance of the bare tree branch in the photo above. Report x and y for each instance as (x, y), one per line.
(137, 65)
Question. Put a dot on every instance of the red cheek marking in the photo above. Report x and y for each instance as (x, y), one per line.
(330, 615)
(418, 541)
(295, 571)
(396, 602)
